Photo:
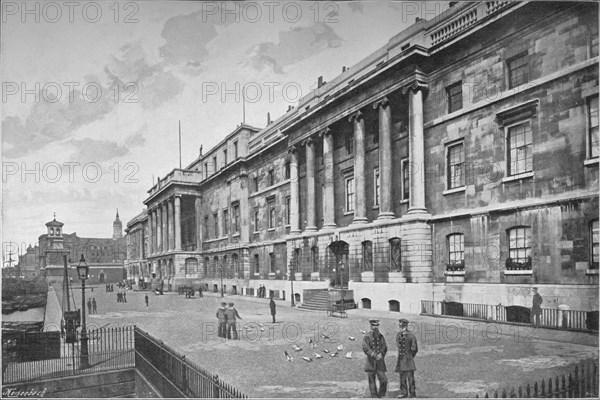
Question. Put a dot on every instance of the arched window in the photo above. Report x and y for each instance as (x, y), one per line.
(366, 303)
(256, 264)
(215, 265)
(367, 255)
(236, 263)
(519, 248)
(315, 258)
(206, 262)
(456, 252)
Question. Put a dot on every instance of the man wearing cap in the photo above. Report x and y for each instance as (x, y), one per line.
(375, 348)
(536, 309)
(222, 318)
(231, 315)
(407, 350)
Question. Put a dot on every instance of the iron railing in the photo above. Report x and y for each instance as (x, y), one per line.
(549, 318)
(581, 384)
(109, 349)
(175, 377)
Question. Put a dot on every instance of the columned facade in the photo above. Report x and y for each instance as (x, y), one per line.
(329, 192)
(385, 158)
(311, 217)
(294, 192)
(360, 205)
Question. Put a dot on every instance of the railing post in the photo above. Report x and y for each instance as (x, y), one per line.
(216, 388)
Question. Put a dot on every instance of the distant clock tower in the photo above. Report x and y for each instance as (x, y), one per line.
(117, 227)
(54, 252)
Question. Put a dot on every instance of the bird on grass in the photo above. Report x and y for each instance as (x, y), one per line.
(261, 325)
(312, 344)
(287, 356)
(334, 354)
(340, 347)
(308, 359)
(325, 351)
(349, 354)
(351, 338)
(317, 355)
(324, 336)
(296, 347)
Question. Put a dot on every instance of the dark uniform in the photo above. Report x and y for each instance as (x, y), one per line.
(272, 305)
(222, 318)
(375, 348)
(536, 309)
(407, 350)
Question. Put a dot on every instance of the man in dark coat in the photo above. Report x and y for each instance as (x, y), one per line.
(536, 309)
(375, 348)
(232, 315)
(89, 304)
(407, 350)
(221, 318)
(272, 305)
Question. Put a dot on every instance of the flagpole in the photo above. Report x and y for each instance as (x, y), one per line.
(243, 107)
(179, 144)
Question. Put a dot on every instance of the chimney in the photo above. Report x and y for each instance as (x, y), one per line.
(344, 69)
(200, 150)
(289, 108)
(320, 82)
(268, 118)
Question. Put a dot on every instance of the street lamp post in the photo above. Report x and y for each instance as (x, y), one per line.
(82, 271)
(292, 283)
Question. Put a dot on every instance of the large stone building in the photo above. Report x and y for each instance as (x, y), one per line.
(459, 162)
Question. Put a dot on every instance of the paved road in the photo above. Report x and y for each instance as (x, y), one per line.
(457, 358)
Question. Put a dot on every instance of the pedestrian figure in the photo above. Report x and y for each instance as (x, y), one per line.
(536, 309)
(118, 297)
(231, 315)
(272, 305)
(222, 320)
(200, 291)
(375, 348)
(94, 305)
(147, 300)
(407, 350)
(124, 297)
(89, 304)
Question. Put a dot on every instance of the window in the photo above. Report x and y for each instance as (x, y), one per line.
(288, 210)
(297, 261)
(315, 258)
(215, 164)
(225, 157)
(405, 172)
(255, 183)
(519, 248)
(206, 262)
(455, 163)
(216, 221)
(225, 222)
(593, 127)
(272, 266)
(367, 255)
(256, 265)
(271, 178)
(376, 186)
(350, 143)
(287, 170)
(236, 217)
(235, 150)
(456, 252)
(454, 94)
(350, 194)
(518, 70)
(595, 245)
(271, 215)
(519, 143)
(236, 264)
(206, 226)
(215, 265)
(206, 169)
(395, 255)
(256, 219)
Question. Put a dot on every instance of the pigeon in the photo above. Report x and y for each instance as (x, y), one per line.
(325, 351)
(262, 329)
(324, 336)
(261, 325)
(287, 356)
(296, 347)
(351, 338)
(307, 359)
(317, 355)
(334, 354)
(312, 344)
(340, 348)
(363, 332)
(349, 354)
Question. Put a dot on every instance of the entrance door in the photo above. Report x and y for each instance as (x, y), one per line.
(338, 264)
(102, 277)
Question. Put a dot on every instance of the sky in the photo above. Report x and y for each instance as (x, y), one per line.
(93, 92)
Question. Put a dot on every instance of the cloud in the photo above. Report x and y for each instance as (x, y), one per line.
(92, 150)
(137, 138)
(294, 45)
(356, 6)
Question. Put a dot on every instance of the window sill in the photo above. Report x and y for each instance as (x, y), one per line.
(271, 273)
(517, 177)
(455, 190)
(405, 201)
(271, 230)
(592, 272)
(376, 207)
(349, 213)
(591, 161)
(518, 272)
(237, 234)
(454, 273)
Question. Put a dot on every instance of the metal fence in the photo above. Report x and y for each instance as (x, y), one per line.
(549, 318)
(175, 377)
(108, 349)
(582, 383)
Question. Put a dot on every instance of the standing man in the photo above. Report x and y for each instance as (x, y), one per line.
(124, 297)
(231, 316)
(200, 291)
(89, 304)
(407, 350)
(222, 320)
(147, 300)
(272, 305)
(375, 348)
(536, 309)
(94, 306)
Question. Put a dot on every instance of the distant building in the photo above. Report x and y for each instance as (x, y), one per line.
(136, 264)
(459, 162)
(29, 263)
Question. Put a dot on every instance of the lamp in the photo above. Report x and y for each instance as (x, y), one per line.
(83, 270)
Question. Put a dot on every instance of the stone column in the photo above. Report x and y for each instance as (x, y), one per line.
(416, 148)
(360, 203)
(170, 227)
(199, 228)
(165, 233)
(294, 192)
(150, 232)
(159, 228)
(328, 193)
(385, 159)
(177, 223)
(311, 215)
